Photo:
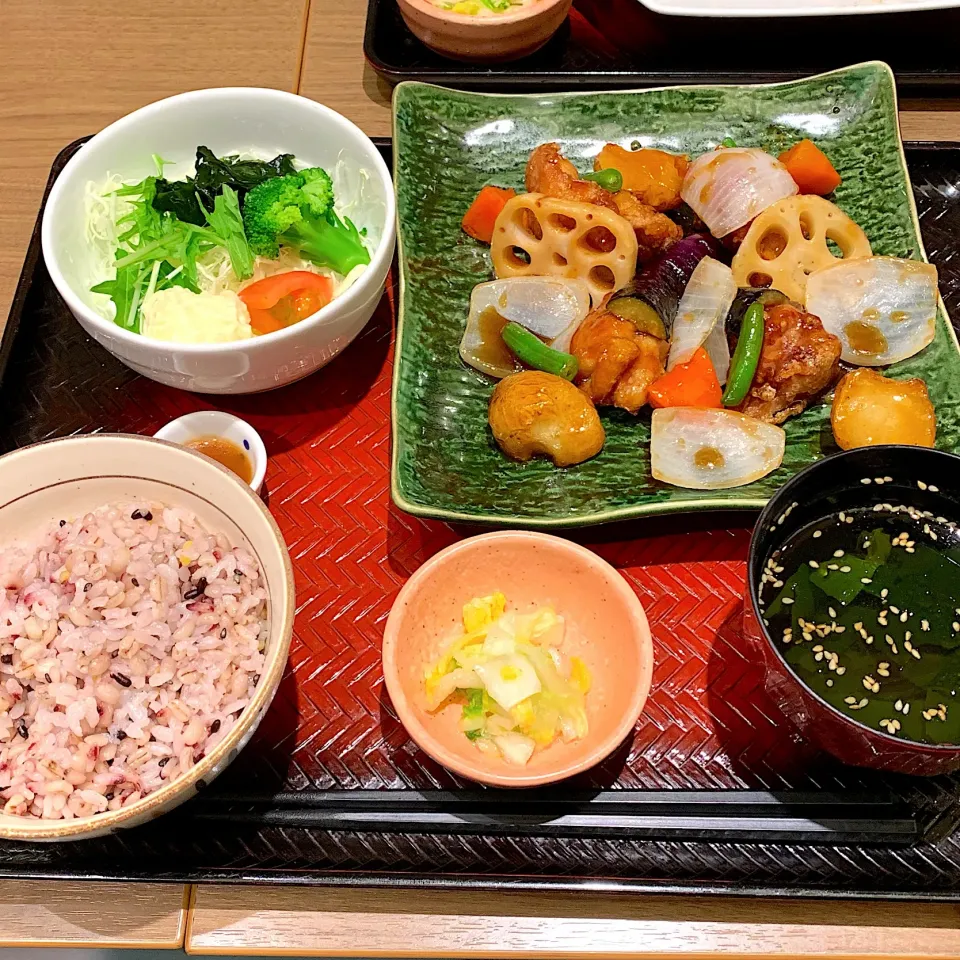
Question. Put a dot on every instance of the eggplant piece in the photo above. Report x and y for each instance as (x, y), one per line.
(654, 294)
(746, 297)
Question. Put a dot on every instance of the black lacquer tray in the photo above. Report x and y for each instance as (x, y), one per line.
(717, 792)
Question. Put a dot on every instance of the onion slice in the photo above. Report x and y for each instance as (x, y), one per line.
(727, 188)
(702, 315)
(712, 449)
(551, 307)
(882, 309)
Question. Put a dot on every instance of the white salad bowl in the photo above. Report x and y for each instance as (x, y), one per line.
(227, 120)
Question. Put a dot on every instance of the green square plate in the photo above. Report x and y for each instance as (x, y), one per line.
(448, 144)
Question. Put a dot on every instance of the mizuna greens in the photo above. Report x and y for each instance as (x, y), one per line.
(211, 234)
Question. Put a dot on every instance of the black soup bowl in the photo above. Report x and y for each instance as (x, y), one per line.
(923, 487)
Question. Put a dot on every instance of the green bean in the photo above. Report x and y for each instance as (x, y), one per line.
(746, 357)
(530, 350)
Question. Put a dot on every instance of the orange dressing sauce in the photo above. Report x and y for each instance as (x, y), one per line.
(226, 452)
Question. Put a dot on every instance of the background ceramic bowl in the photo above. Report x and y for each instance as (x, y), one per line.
(228, 120)
(507, 36)
(532, 569)
(823, 489)
(38, 484)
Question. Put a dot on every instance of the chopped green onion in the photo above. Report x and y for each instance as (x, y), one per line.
(530, 350)
(610, 179)
(728, 142)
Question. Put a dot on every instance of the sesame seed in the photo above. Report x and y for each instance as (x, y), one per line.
(925, 625)
(904, 616)
(921, 485)
(915, 653)
(818, 648)
(883, 593)
(844, 569)
(894, 609)
(898, 705)
(932, 488)
(858, 626)
(788, 600)
(907, 635)
(849, 699)
(906, 709)
(778, 583)
(865, 480)
(865, 580)
(814, 565)
(838, 553)
(841, 671)
(888, 479)
(829, 682)
(832, 566)
(817, 533)
(832, 612)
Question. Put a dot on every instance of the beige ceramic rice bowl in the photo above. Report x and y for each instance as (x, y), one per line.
(64, 480)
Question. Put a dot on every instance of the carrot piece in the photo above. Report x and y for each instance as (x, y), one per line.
(690, 384)
(478, 221)
(811, 168)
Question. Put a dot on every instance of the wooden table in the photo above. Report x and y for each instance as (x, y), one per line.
(67, 68)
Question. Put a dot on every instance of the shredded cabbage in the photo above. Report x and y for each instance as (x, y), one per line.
(355, 198)
(518, 692)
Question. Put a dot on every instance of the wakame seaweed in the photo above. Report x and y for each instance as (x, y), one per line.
(866, 607)
(184, 197)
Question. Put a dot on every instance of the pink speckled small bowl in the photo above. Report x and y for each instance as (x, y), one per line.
(506, 36)
(532, 570)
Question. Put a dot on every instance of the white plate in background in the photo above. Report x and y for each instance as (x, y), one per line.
(791, 8)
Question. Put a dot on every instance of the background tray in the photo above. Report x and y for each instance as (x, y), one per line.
(716, 792)
(622, 44)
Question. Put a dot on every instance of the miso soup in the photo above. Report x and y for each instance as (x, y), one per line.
(866, 605)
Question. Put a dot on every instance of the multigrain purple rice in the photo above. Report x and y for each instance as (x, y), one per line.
(109, 673)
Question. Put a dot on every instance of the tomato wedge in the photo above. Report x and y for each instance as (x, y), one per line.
(285, 298)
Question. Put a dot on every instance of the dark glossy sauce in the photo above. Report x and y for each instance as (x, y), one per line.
(876, 630)
(224, 451)
(493, 351)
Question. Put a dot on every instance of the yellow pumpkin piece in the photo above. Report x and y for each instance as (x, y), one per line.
(655, 176)
(871, 409)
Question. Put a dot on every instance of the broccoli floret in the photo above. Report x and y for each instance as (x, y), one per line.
(297, 211)
(318, 189)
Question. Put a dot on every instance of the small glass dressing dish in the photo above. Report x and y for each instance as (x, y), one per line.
(223, 437)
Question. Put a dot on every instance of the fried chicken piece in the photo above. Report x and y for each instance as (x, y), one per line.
(799, 360)
(655, 231)
(550, 173)
(617, 362)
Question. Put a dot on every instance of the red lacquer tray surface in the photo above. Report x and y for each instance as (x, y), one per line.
(708, 722)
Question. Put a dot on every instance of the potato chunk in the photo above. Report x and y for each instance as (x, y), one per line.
(870, 409)
(534, 413)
